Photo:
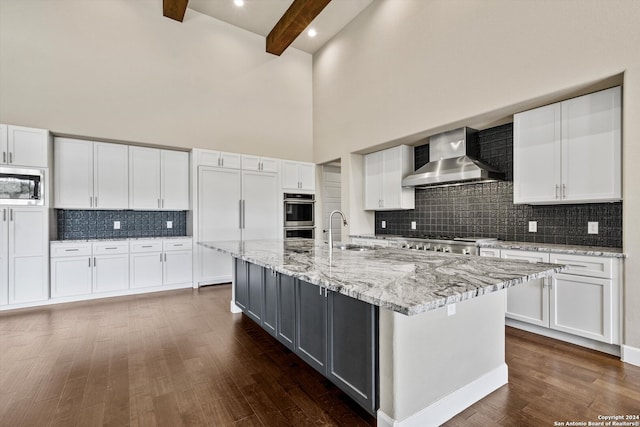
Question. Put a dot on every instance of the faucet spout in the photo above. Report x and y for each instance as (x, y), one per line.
(344, 222)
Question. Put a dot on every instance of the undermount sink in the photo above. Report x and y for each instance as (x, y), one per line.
(352, 247)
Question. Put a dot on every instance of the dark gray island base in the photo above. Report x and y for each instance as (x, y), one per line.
(413, 337)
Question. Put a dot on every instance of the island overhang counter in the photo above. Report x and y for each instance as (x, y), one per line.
(440, 323)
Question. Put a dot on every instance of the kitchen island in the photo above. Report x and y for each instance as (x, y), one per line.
(440, 347)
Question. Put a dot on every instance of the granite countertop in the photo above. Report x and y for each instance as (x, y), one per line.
(408, 282)
(525, 246)
(118, 239)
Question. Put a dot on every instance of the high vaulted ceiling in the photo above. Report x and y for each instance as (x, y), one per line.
(260, 16)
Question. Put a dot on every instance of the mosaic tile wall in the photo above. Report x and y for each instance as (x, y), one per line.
(487, 210)
(80, 224)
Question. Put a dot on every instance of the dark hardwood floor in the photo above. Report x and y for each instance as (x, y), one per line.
(180, 358)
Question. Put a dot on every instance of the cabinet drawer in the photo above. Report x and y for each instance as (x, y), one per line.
(531, 256)
(583, 265)
(490, 252)
(70, 249)
(176, 244)
(137, 246)
(102, 248)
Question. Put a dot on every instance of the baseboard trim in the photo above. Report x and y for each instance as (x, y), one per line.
(234, 308)
(452, 404)
(630, 355)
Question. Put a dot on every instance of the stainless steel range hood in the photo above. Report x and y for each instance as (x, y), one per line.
(453, 161)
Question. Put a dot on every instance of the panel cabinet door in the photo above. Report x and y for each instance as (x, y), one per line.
(144, 178)
(307, 176)
(256, 290)
(111, 176)
(28, 254)
(269, 165)
(591, 147)
(290, 179)
(175, 180)
(391, 178)
(536, 155)
(177, 267)
(582, 306)
(311, 325)
(269, 315)
(70, 276)
(219, 192)
(73, 174)
(110, 273)
(286, 315)
(28, 146)
(529, 301)
(241, 284)
(261, 206)
(373, 181)
(352, 348)
(145, 269)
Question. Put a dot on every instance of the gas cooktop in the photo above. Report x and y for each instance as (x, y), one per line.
(443, 243)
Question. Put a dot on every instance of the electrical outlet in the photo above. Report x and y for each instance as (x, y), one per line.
(592, 227)
(451, 309)
(413, 225)
(533, 226)
(169, 224)
(384, 224)
(116, 225)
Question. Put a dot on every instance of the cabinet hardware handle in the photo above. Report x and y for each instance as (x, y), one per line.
(10, 157)
(564, 190)
(10, 214)
(244, 224)
(179, 244)
(222, 161)
(147, 246)
(4, 214)
(161, 257)
(94, 261)
(89, 262)
(4, 157)
(557, 188)
(158, 203)
(96, 201)
(90, 201)
(165, 257)
(162, 203)
(240, 214)
(112, 248)
(71, 250)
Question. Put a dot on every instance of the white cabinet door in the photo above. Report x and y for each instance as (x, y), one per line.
(4, 256)
(529, 301)
(230, 160)
(582, 306)
(269, 165)
(373, 181)
(111, 176)
(177, 267)
(27, 146)
(250, 163)
(145, 269)
(175, 180)
(290, 179)
(70, 276)
(219, 193)
(261, 206)
(307, 176)
(591, 147)
(144, 178)
(110, 273)
(28, 254)
(536, 155)
(391, 178)
(73, 174)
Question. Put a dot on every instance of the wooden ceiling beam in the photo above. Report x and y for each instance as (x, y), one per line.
(293, 22)
(174, 9)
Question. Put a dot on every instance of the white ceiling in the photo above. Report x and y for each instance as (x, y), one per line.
(260, 16)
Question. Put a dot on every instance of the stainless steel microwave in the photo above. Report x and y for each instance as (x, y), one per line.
(22, 187)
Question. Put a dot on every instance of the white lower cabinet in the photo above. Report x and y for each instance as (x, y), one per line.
(583, 301)
(157, 262)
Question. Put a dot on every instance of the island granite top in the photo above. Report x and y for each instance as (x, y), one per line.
(408, 282)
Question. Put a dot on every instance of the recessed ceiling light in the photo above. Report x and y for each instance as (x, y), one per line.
(312, 32)
(238, 3)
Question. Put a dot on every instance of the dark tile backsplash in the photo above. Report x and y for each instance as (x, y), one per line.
(79, 224)
(487, 209)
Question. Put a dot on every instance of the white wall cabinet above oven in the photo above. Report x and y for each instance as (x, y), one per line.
(569, 152)
(261, 164)
(158, 179)
(22, 146)
(90, 175)
(218, 159)
(298, 176)
(383, 173)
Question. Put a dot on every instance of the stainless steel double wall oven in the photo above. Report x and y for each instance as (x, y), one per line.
(299, 219)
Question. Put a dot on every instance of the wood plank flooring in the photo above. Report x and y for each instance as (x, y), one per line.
(179, 358)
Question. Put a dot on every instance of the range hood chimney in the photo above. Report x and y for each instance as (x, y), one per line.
(453, 161)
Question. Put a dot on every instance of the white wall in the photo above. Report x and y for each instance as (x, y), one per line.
(117, 69)
(411, 68)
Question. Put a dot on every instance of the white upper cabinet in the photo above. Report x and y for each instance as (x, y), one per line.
(158, 179)
(22, 146)
(569, 152)
(218, 159)
(298, 176)
(90, 175)
(383, 173)
(261, 164)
